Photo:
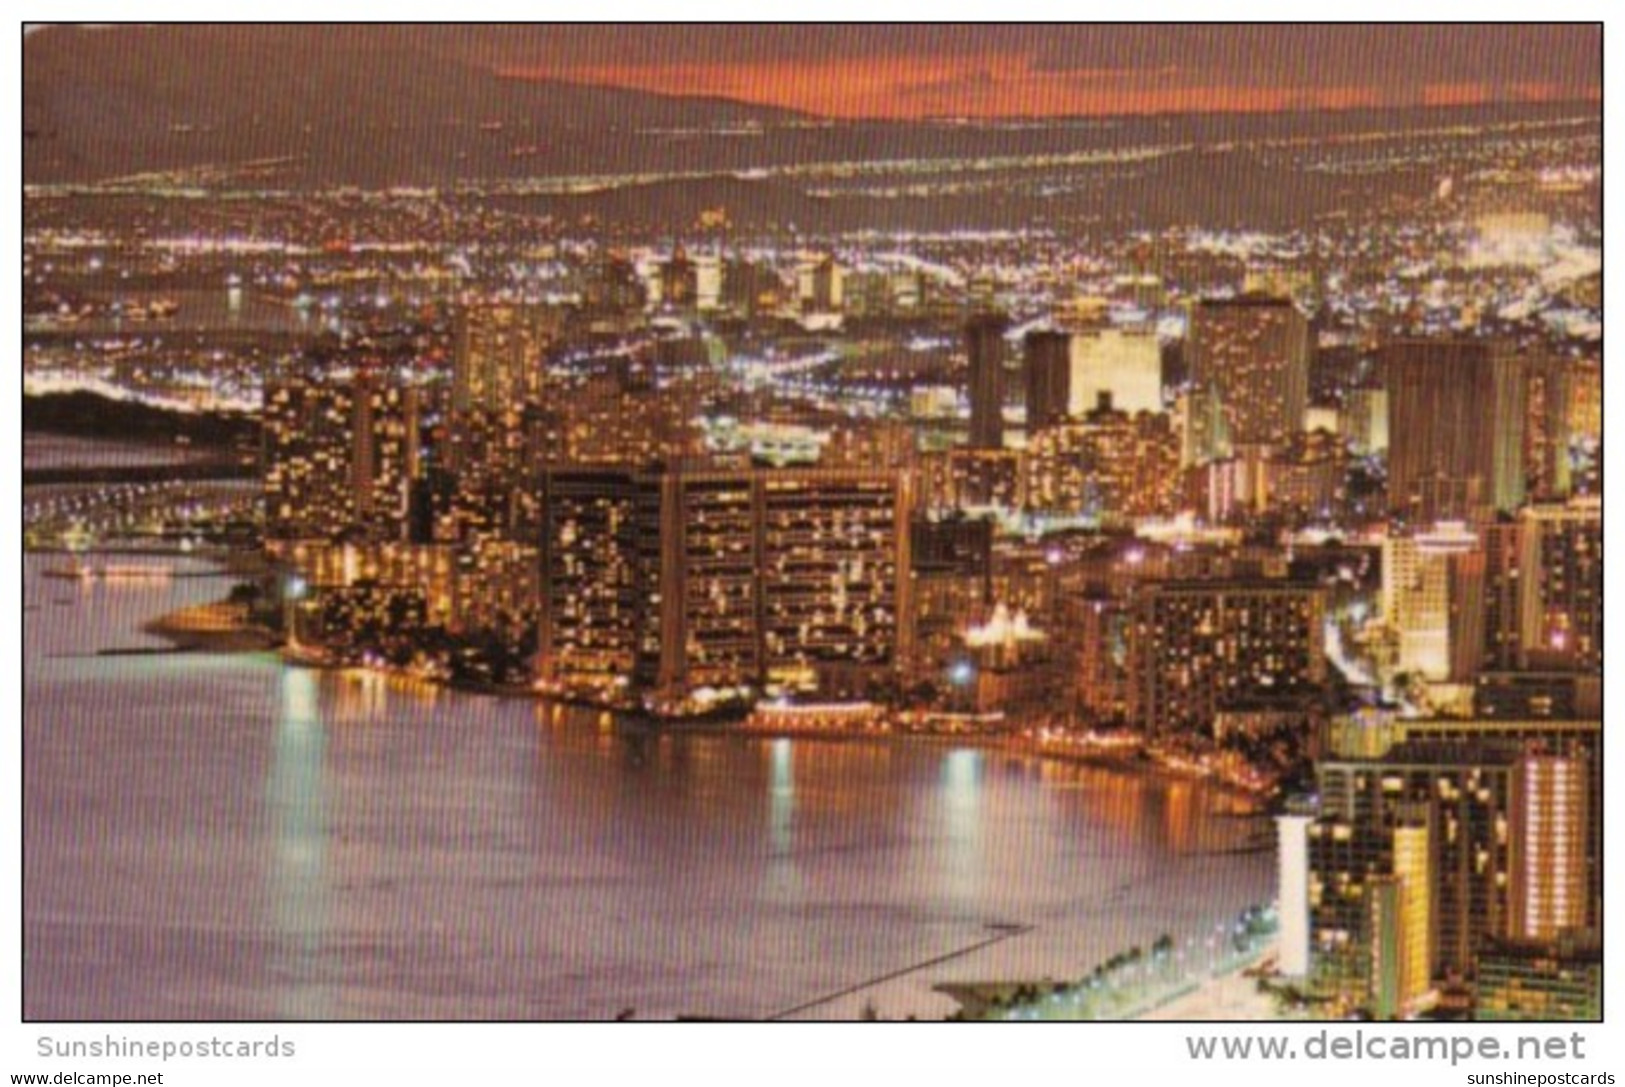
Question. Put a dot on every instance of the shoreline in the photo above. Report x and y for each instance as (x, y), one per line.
(223, 627)
(217, 627)
(1228, 996)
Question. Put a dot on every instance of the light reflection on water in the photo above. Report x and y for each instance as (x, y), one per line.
(961, 800)
(782, 880)
(291, 843)
(295, 796)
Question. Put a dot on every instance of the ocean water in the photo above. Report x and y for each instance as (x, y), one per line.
(224, 837)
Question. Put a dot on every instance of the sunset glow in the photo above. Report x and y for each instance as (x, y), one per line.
(1010, 85)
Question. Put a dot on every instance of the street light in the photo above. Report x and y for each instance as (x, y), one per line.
(294, 590)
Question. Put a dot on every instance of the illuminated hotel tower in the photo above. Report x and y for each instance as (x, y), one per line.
(1401, 925)
(1466, 789)
(601, 566)
(498, 381)
(1202, 647)
(819, 283)
(1415, 601)
(1533, 600)
(341, 455)
(697, 588)
(1559, 614)
(1251, 354)
(1549, 828)
(1370, 908)
(835, 577)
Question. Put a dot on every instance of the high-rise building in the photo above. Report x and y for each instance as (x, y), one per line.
(601, 581)
(1512, 853)
(498, 591)
(1122, 363)
(960, 544)
(1202, 647)
(1094, 627)
(1292, 855)
(496, 416)
(984, 350)
(1458, 415)
(1560, 597)
(371, 598)
(1584, 407)
(1467, 791)
(819, 283)
(707, 281)
(614, 289)
(952, 582)
(1584, 413)
(1492, 599)
(1415, 600)
(1068, 373)
(699, 562)
(308, 452)
(498, 356)
(341, 456)
(1467, 603)
(1540, 980)
(1251, 354)
(625, 419)
(1547, 397)
(834, 581)
(1370, 913)
(1403, 921)
(689, 589)
(1047, 364)
(749, 287)
(1537, 695)
(1204, 434)
(1306, 478)
(1107, 464)
(965, 477)
(1576, 742)
(1550, 820)
(1364, 420)
(1534, 604)
(679, 280)
(388, 442)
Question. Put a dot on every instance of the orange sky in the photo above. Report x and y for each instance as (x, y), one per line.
(1007, 85)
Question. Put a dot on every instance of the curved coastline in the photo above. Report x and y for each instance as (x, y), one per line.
(218, 627)
(226, 627)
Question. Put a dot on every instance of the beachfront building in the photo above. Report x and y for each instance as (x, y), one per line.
(702, 588)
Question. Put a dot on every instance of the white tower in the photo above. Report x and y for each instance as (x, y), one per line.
(1293, 837)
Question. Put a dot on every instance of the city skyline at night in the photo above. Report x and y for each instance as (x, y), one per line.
(908, 522)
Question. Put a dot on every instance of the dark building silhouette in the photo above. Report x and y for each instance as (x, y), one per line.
(1457, 415)
(1047, 366)
(984, 346)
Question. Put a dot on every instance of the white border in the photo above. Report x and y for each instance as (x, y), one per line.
(729, 1053)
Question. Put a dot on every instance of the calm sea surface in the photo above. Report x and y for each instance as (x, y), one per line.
(225, 837)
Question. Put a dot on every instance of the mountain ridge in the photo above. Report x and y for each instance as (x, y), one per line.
(378, 105)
